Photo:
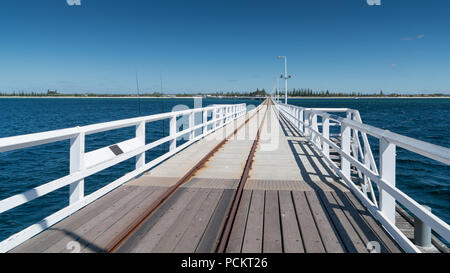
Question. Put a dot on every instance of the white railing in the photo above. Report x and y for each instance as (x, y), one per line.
(84, 164)
(359, 155)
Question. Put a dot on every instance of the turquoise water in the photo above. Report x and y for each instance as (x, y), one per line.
(426, 119)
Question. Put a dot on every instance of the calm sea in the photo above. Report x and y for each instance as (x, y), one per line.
(426, 119)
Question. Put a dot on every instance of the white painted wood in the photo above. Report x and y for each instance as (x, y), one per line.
(370, 170)
(172, 132)
(78, 148)
(191, 125)
(76, 164)
(204, 121)
(387, 172)
(140, 141)
(30, 140)
(326, 135)
(345, 147)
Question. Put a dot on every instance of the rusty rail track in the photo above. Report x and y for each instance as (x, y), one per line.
(238, 194)
(122, 237)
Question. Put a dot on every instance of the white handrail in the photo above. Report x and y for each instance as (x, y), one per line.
(103, 158)
(389, 194)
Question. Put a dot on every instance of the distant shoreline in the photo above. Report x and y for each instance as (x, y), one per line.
(192, 97)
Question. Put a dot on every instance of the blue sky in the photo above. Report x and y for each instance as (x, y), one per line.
(203, 46)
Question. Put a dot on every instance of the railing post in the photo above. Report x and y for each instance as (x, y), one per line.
(326, 135)
(191, 125)
(215, 114)
(300, 118)
(345, 147)
(387, 172)
(205, 120)
(315, 137)
(422, 232)
(306, 122)
(173, 131)
(222, 115)
(140, 136)
(77, 164)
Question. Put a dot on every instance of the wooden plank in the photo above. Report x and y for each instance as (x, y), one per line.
(238, 229)
(109, 228)
(254, 229)
(189, 241)
(292, 239)
(330, 238)
(311, 238)
(210, 239)
(272, 242)
(364, 231)
(390, 244)
(51, 236)
(83, 233)
(149, 237)
(133, 240)
(111, 220)
(174, 233)
(345, 230)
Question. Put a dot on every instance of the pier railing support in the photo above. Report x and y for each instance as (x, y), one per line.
(301, 121)
(345, 147)
(191, 125)
(306, 122)
(140, 136)
(355, 155)
(215, 116)
(172, 132)
(422, 232)
(326, 135)
(315, 137)
(205, 119)
(77, 164)
(387, 172)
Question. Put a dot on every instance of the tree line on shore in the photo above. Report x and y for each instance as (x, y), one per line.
(302, 92)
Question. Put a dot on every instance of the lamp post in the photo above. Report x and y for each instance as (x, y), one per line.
(285, 76)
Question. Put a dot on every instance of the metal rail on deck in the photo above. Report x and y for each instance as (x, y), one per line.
(84, 164)
(356, 153)
(122, 237)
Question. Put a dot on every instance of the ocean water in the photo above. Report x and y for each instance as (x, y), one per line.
(423, 179)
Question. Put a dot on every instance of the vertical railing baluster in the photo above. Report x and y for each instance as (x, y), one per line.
(205, 120)
(387, 172)
(306, 121)
(301, 123)
(191, 125)
(140, 137)
(215, 117)
(345, 147)
(77, 148)
(326, 135)
(172, 132)
(314, 125)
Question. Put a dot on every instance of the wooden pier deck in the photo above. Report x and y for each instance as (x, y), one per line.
(292, 202)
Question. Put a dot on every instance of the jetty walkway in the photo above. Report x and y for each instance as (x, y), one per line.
(261, 181)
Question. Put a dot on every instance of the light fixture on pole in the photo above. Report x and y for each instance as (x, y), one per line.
(285, 76)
